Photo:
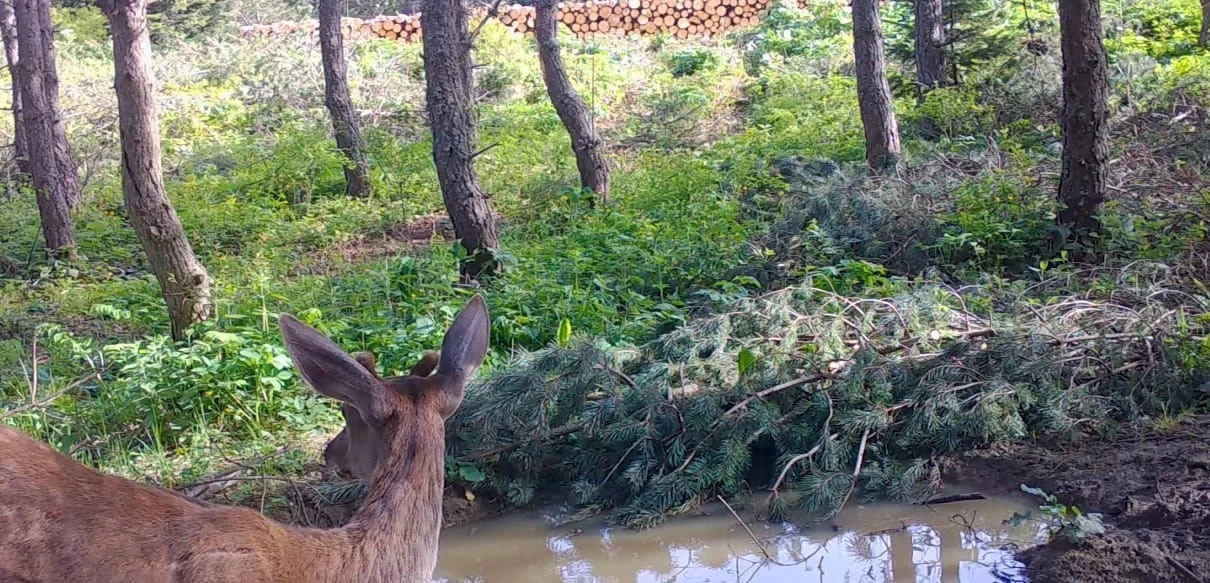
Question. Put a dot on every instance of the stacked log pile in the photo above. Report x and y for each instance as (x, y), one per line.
(680, 18)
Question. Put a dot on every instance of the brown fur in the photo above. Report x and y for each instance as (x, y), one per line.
(62, 522)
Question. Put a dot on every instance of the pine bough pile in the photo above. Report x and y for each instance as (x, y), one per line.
(679, 18)
(808, 396)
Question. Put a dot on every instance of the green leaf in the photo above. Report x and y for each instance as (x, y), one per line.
(471, 474)
(746, 360)
(1017, 519)
(1034, 491)
(564, 334)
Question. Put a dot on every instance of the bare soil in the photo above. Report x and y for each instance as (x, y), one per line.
(1151, 485)
(418, 232)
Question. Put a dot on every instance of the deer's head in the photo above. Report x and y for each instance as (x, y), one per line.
(375, 408)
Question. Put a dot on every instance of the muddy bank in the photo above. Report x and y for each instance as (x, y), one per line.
(1152, 485)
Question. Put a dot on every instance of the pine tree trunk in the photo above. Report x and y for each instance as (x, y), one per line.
(1085, 115)
(587, 145)
(8, 30)
(449, 84)
(873, 89)
(183, 280)
(930, 56)
(1204, 37)
(65, 162)
(336, 97)
(55, 181)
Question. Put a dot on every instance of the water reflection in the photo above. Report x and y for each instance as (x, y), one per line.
(951, 543)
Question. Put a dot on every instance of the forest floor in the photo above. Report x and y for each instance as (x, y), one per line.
(1152, 486)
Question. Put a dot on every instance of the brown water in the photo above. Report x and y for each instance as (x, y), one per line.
(883, 543)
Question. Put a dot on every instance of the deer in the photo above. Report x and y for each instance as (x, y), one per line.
(61, 521)
(356, 449)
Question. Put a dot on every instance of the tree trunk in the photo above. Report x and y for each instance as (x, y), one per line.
(64, 160)
(587, 145)
(1204, 37)
(1085, 116)
(183, 281)
(8, 30)
(336, 97)
(873, 89)
(55, 181)
(449, 83)
(930, 56)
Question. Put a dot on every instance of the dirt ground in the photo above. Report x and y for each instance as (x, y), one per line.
(1152, 486)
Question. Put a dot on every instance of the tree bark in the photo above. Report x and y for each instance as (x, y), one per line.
(1203, 38)
(51, 166)
(930, 56)
(183, 280)
(587, 145)
(8, 30)
(873, 89)
(1085, 116)
(449, 84)
(336, 97)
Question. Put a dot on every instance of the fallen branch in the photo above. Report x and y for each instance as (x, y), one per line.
(46, 401)
(953, 498)
(1179, 566)
(785, 470)
(744, 403)
(555, 433)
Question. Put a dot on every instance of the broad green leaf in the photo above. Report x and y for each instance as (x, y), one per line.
(746, 360)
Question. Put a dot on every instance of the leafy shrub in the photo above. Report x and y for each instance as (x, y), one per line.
(236, 384)
(815, 39)
(691, 61)
(956, 111)
(84, 24)
(998, 221)
(795, 114)
(1162, 30)
(1186, 77)
(170, 20)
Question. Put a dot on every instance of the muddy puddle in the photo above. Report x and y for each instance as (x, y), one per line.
(963, 542)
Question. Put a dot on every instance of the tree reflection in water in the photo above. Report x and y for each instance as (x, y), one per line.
(955, 543)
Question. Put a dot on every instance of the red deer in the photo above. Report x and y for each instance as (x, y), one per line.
(357, 448)
(63, 522)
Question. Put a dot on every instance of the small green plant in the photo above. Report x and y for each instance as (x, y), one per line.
(464, 472)
(1067, 523)
(689, 62)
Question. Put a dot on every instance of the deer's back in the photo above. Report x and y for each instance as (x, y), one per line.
(61, 521)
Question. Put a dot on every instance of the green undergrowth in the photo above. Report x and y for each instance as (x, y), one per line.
(744, 248)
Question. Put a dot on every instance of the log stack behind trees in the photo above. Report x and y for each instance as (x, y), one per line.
(679, 18)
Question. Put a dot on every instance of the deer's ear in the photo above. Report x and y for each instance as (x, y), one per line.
(330, 370)
(366, 360)
(424, 367)
(465, 343)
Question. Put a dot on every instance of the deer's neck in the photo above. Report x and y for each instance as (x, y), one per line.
(400, 520)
